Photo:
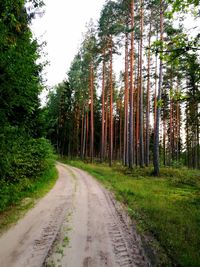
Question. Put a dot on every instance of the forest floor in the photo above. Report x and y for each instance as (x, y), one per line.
(77, 224)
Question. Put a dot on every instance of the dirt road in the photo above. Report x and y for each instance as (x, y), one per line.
(77, 224)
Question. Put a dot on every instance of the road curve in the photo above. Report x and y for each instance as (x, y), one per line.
(77, 224)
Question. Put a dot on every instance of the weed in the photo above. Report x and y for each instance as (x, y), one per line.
(65, 241)
(60, 251)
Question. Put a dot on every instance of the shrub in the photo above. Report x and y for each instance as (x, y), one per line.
(22, 156)
(24, 163)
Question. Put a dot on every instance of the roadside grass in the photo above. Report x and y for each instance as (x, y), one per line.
(20, 197)
(167, 207)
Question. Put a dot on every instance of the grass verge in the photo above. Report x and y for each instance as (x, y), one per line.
(19, 198)
(168, 207)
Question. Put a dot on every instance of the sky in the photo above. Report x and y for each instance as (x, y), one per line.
(62, 26)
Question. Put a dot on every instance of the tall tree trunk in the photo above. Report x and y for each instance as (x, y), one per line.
(177, 124)
(120, 130)
(198, 147)
(164, 140)
(131, 125)
(148, 100)
(106, 127)
(141, 89)
(91, 113)
(156, 144)
(126, 104)
(115, 139)
(137, 107)
(87, 134)
(103, 108)
(84, 133)
(171, 118)
(155, 96)
(111, 106)
(187, 141)
(77, 132)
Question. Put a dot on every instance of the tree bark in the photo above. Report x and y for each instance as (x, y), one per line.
(148, 100)
(106, 127)
(111, 107)
(137, 107)
(103, 108)
(155, 96)
(82, 133)
(126, 104)
(156, 144)
(131, 125)
(141, 89)
(91, 113)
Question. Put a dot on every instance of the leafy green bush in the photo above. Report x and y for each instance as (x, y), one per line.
(22, 156)
(31, 158)
(24, 164)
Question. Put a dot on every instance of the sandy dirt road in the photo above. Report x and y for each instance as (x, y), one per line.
(77, 224)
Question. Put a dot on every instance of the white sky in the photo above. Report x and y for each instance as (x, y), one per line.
(62, 27)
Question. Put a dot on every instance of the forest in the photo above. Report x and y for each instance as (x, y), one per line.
(128, 113)
(150, 113)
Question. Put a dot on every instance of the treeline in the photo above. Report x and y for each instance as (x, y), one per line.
(151, 115)
(24, 153)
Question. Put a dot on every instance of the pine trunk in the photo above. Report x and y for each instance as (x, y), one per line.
(131, 125)
(155, 96)
(111, 107)
(103, 108)
(148, 100)
(137, 107)
(156, 144)
(141, 89)
(126, 104)
(84, 134)
(91, 114)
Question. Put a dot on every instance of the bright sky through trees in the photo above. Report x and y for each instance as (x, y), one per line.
(61, 27)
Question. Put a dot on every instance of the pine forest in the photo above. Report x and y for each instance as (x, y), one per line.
(150, 114)
(102, 167)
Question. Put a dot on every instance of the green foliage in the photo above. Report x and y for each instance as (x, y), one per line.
(107, 22)
(179, 5)
(58, 117)
(167, 207)
(23, 161)
(19, 73)
(23, 157)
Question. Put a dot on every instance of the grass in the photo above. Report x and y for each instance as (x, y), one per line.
(19, 198)
(168, 207)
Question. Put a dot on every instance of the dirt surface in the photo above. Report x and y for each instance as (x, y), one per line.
(77, 224)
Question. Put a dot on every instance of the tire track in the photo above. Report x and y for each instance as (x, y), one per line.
(126, 243)
(96, 230)
(29, 241)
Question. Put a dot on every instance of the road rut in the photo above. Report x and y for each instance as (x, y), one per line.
(77, 224)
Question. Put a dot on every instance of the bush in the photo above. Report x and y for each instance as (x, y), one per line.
(22, 156)
(24, 163)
